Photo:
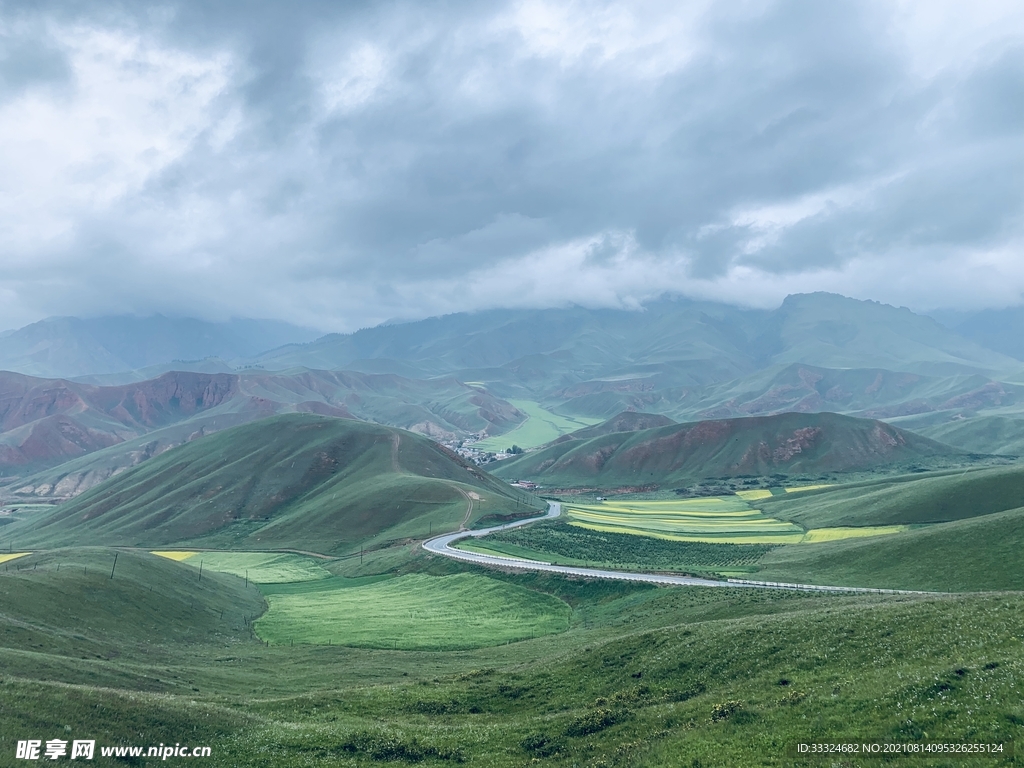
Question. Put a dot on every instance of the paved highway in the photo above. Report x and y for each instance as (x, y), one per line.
(441, 545)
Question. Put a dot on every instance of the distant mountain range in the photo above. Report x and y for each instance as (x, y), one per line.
(704, 341)
(68, 347)
(681, 454)
(132, 388)
(1001, 330)
(698, 342)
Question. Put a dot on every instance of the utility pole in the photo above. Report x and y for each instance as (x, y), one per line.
(113, 566)
(200, 570)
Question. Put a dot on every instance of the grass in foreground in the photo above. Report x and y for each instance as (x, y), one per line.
(642, 676)
(414, 612)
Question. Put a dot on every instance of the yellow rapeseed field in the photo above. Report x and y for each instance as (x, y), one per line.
(716, 519)
(175, 555)
(818, 535)
(798, 488)
(760, 493)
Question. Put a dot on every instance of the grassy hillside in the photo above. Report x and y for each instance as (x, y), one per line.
(1002, 434)
(295, 481)
(905, 500)
(104, 429)
(640, 677)
(680, 454)
(627, 421)
(980, 553)
(64, 616)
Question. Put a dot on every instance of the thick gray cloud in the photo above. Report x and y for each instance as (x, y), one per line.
(339, 164)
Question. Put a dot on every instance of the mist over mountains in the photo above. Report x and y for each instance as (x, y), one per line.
(68, 347)
(90, 398)
(818, 329)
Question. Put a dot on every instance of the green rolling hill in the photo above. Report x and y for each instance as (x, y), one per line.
(59, 438)
(992, 433)
(966, 530)
(907, 500)
(296, 481)
(639, 676)
(64, 603)
(683, 453)
(974, 554)
(627, 421)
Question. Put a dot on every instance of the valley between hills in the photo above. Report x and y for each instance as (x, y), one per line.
(230, 551)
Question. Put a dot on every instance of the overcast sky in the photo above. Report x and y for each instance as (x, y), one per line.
(336, 164)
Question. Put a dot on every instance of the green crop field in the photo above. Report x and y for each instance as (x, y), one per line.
(724, 519)
(414, 611)
(541, 426)
(258, 567)
(713, 519)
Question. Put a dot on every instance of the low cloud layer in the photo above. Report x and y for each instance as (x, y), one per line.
(337, 165)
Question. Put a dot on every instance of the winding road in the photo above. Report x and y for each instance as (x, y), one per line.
(441, 545)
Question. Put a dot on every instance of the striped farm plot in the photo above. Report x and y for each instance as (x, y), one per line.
(259, 567)
(719, 519)
(714, 520)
